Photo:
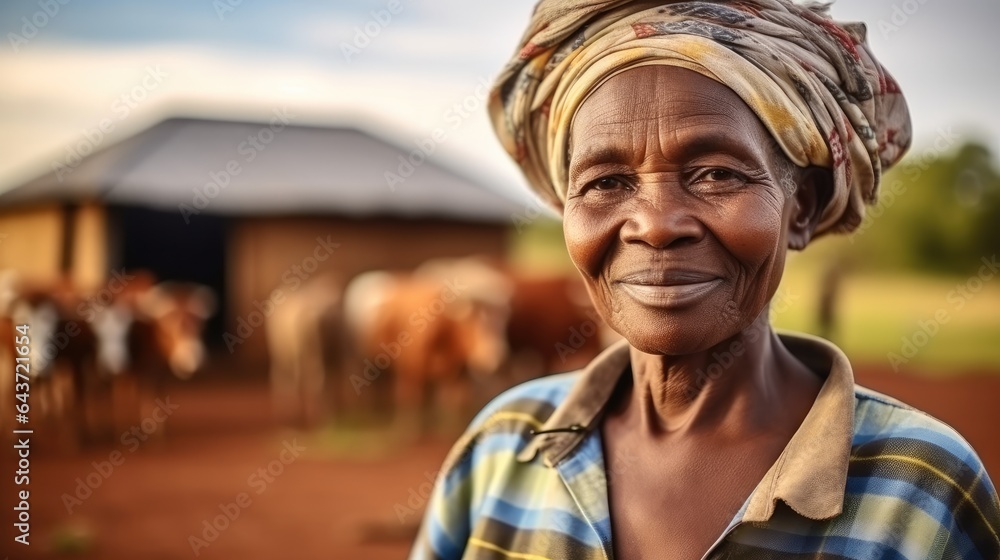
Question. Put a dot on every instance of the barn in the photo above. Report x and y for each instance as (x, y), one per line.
(246, 208)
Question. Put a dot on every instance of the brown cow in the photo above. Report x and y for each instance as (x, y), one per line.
(553, 326)
(78, 345)
(62, 355)
(149, 332)
(427, 332)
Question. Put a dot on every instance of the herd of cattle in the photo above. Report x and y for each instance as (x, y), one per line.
(421, 338)
(383, 343)
(119, 343)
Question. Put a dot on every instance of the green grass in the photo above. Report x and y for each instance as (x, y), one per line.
(72, 539)
(877, 312)
(346, 436)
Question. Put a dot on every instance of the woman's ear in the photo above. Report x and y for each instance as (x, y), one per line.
(813, 191)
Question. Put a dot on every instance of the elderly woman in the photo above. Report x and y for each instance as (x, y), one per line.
(688, 146)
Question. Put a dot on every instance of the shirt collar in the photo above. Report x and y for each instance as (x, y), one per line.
(810, 475)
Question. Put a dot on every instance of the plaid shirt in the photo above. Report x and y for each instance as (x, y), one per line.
(865, 476)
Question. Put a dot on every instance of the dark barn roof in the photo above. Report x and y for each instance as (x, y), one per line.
(303, 170)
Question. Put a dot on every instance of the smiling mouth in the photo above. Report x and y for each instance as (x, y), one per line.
(668, 292)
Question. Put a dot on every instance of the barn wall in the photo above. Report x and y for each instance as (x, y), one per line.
(31, 241)
(90, 247)
(263, 251)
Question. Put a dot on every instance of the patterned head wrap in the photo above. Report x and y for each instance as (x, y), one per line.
(813, 83)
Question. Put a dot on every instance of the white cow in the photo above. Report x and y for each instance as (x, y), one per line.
(147, 334)
(303, 339)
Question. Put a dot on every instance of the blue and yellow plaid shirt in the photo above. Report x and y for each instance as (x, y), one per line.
(864, 477)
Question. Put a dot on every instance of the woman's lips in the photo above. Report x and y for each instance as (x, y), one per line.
(668, 288)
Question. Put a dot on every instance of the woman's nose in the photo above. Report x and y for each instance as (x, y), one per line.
(663, 216)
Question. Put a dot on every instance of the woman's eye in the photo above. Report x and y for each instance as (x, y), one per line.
(720, 175)
(719, 178)
(607, 184)
(603, 187)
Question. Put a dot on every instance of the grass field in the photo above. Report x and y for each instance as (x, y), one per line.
(930, 323)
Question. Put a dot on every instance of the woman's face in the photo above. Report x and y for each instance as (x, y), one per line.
(680, 208)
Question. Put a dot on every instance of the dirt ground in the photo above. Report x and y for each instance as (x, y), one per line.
(321, 498)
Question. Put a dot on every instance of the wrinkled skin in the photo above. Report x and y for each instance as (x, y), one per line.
(679, 213)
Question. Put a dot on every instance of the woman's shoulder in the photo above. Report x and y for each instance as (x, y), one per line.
(897, 442)
(879, 418)
(909, 461)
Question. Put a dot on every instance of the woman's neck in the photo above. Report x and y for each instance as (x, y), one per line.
(743, 384)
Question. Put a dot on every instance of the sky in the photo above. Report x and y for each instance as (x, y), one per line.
(75, 73)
